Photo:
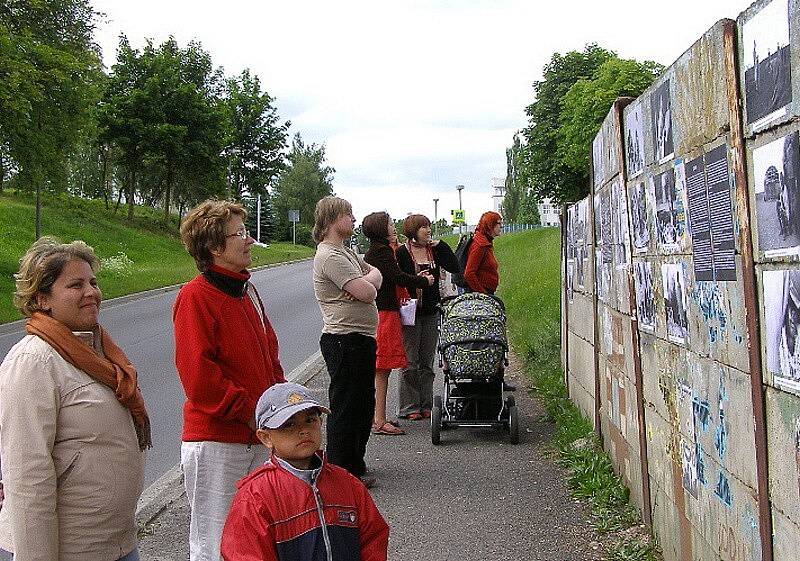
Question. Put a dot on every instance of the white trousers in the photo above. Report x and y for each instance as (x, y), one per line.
(210, 473)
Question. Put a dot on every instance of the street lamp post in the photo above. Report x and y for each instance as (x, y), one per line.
(460, 188)
(435, 215)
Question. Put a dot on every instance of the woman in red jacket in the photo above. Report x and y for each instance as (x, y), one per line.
(481, 271)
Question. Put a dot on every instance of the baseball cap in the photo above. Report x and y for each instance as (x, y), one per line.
(281, 401)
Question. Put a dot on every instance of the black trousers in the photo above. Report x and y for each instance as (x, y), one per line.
(351, 365)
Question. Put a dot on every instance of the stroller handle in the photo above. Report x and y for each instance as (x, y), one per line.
(492, 296)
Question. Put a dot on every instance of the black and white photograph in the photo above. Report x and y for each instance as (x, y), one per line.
(606, 227)
(634, 141)
(640, 221)
(673, 279)
(645, 303)
(581, 255)
(782, 318)
(776, 171)
(569, 273)
(670, 211)
(767, 63)
(619, 212)
(598, 160)
(661, 110)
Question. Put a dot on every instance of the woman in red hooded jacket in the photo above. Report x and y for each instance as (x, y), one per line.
(481, 271)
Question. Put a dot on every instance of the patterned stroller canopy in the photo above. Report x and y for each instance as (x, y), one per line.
(472, 335)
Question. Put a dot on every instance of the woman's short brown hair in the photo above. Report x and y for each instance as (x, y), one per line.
(327, 211)
(413, 223)
(203, 229)
(41, 265)
(376, 225)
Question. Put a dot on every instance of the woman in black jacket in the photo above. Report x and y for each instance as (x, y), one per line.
(390, 354)
(421, 253)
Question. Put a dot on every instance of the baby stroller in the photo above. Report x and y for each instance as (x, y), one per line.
(473, 355)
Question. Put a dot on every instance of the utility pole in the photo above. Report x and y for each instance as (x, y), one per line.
(435, 215)
(460, 188)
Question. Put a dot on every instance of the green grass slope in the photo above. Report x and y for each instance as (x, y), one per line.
(136, 256)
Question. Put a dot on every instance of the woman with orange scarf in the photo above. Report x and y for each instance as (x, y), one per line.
(73, 425)
(481, 271)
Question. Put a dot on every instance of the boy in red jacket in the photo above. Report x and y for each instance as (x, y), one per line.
(298, 507)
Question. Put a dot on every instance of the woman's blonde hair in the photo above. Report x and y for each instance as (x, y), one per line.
(41, 265)
(327, 211)
(203, 229)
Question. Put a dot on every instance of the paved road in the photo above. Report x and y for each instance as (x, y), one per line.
(143, 329)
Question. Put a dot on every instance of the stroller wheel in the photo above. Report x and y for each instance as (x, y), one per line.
(513, 424)
(436, 423)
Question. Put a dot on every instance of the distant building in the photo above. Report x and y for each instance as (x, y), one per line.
(549, 213)
(498, 192)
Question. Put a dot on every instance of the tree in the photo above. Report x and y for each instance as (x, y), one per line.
(544, 172)
(50, 68)
(571, 102)
(256, 140)
(587, 103)
(305, 181)
(529, 210)
(515, 186)
(267, 230)
(161, 111)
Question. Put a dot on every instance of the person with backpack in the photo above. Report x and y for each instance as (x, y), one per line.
(481, 270)
(421, 253)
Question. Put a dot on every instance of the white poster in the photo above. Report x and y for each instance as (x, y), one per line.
(675, 303)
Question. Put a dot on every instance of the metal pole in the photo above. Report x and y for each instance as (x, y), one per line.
(294, 233)
(435, 215)
(460, 188)
(258, 219)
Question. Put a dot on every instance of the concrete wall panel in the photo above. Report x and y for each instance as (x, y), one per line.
(581, 309)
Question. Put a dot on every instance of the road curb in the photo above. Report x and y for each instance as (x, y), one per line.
(19, 325)
(168, 488)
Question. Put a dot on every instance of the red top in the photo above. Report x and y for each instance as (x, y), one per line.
(225, 359)
(481, 270)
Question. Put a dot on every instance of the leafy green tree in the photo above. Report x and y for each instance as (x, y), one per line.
(256, 139)
(50, 71)
(306, 179)
(545, 173)
(515, 181)
(529, 210)
(162, 113)
(587, 102)
(571, 102)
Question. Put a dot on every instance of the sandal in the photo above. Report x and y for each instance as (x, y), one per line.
(426, 413)
(415, 417)
(388, 429)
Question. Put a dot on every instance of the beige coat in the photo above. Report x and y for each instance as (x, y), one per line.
(72, 469)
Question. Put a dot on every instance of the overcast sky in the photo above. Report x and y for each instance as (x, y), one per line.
(410, 98)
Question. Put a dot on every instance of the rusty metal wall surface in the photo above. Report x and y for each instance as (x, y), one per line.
(771, 128)
(716, 494)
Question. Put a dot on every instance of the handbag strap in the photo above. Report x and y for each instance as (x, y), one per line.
(255, 298)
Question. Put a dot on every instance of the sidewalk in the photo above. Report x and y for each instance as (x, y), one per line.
(473, 498)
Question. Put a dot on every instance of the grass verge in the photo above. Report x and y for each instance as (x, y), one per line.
(531, 289)
(139, 255)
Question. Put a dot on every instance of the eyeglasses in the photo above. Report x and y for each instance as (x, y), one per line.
(243, 233)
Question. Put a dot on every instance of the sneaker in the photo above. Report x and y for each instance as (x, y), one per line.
(369, 481)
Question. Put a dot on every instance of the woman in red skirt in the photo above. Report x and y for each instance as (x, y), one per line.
(379, 229)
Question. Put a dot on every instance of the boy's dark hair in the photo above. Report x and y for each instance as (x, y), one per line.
(376, 225)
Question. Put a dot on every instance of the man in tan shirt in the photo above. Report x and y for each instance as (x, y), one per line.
(345, 287)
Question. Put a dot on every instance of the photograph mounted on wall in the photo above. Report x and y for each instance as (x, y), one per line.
(782, 318)
(640, 214)
(581, 254)
(675, 305)
(634, 141)
(661, 111)
(598, 160)
(776, 188)
(620, 221)
(670, 211)
(645, 303)
(767, 63)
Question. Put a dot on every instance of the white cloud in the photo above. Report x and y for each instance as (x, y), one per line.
(410, 97)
